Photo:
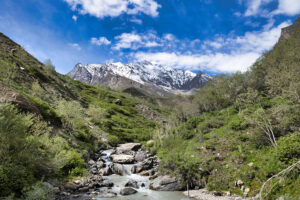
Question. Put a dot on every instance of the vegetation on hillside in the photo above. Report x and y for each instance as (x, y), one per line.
(50, 124)
(247, 128)
(244, 126)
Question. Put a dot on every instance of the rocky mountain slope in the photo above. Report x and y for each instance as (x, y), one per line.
(150, 78)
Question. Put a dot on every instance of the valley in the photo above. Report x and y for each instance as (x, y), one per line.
(121, 131)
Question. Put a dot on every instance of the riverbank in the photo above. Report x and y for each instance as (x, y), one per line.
(204, 194)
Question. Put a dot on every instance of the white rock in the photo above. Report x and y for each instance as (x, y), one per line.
(122, 158)
(125, 148)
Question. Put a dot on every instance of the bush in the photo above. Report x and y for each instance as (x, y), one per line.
(39, 191)
(237, 124)
(113, 140)
(23, 157)
(288, 149)
(69, 162)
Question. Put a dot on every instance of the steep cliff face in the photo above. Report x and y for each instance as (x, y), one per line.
(153, 79)
(287, 31)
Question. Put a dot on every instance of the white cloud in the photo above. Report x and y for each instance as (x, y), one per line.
(114, 8)
(135, 41)
(100, 41)
(127, 41)
(137, 21)
(74, 17)
(219, 62)
(75, 46)
(253, 7)
(288, 7)
(169, 37)
(216, 44)
(230, 54)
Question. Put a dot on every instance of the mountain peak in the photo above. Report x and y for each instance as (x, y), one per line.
(142, 73)
(78, 65)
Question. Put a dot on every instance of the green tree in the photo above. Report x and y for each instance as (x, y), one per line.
(49, 65)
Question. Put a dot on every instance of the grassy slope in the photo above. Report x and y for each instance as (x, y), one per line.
(223, 145)
(122, 121)
(77, 116)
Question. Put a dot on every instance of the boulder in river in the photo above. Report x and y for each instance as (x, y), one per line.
(122, 158)
(118, 169)
(106, 183)
(140, 156)
(145, 165)
(105, 171)
(70, 186)
(125, 148)
(132, 183)
(127, 191)
(166, 183)
(100, 164)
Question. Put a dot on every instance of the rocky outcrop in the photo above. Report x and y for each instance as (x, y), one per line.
(9, 95)
(166, 183)
(127, 191)
(288, 31)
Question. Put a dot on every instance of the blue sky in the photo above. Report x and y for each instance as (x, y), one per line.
(210, 35)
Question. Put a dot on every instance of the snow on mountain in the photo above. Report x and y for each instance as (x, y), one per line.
(144, 73)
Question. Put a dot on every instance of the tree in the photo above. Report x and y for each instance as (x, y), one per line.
(48, 63)
(261, 120)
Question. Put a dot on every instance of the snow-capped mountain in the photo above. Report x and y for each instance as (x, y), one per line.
(143, 75)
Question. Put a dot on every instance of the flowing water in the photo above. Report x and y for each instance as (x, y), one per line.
(144, 193)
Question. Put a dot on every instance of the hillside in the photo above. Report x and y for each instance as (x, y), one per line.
(50, 124)
(247, 132)
(233, 135)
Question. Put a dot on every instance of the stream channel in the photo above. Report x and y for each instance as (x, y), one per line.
(143, 193)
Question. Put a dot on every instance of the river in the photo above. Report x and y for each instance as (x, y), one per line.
(144, 193)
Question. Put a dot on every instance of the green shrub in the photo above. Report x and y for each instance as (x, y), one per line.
(288, 149)
(22, 159)
(70, 162)
(113, 140)
(38, 191)
(237, 125)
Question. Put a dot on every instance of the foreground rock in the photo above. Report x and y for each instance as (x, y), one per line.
(166, 183)
(145, 165)
(128, 147)
(105, 171)
(140, 156)
(122, 159)
(132, 183)
(127, 191)
(118, 169)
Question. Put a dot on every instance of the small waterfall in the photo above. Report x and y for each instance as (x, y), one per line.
(144, 193)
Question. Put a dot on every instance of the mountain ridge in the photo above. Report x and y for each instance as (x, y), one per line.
(162, 81)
